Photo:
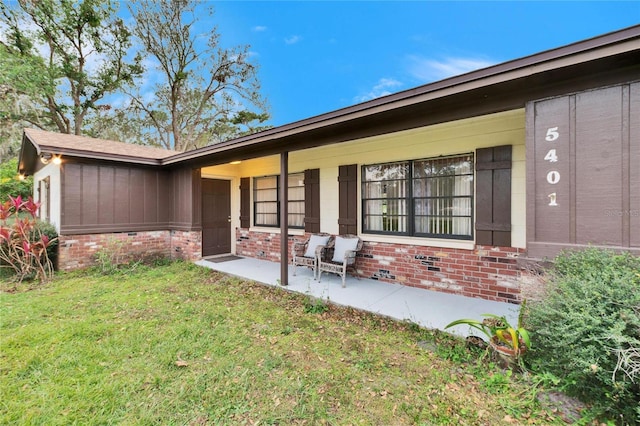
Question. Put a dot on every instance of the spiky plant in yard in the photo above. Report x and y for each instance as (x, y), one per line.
(23, 244)
(504, 338)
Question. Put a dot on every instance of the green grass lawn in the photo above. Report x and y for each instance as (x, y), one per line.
(180, 344)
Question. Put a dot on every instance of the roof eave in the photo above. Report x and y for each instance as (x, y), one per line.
(622, 41)
(79, 153)
(30, 152)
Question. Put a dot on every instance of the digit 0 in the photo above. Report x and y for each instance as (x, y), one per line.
(553, 177)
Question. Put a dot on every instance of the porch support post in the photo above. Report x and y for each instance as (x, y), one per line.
(284, 218)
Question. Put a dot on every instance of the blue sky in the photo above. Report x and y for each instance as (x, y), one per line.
(316, 57)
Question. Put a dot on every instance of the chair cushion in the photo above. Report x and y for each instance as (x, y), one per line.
(342, 245)
(315, 241)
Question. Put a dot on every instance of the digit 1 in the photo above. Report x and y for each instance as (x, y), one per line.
(552, 199)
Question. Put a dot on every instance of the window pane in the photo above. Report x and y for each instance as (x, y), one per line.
(380, 172)
(296, 214)
(436, 202)
(373, 214)
(266, 197)
(386, 215)
(443, 190)
(266, 182)
(296, 200)
(266, 213)
(373, 190)
(296, 193)
(296, 180)
(265, 201)
(385, 191)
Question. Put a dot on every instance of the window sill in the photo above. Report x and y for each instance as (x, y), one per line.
(269, 230)
(419, 241)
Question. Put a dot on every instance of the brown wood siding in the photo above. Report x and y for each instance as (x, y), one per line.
(107, 199)
(634, 165)
(181, 196)
(71, 205)
(90, 195)
(150, 197)
(586, 192)
(196, 206)
(123, 199)
(493, 196)
(98, 198)
(186, 199)
(312, 200)
(136, 199)
(245, 202)
(598, 118)
(348, 199)
(165, 198)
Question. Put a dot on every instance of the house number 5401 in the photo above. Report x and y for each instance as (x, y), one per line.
(553, 177)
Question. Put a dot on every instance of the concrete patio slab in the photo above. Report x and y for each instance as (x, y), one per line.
(426, 308)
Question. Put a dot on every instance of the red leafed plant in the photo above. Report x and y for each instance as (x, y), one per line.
(23, 245)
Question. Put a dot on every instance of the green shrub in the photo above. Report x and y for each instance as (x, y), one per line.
(10, 184)
(584, 327)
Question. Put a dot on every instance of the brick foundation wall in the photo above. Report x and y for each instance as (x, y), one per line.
(262, 245)
(186, 245)
(79, 251)
(486, 272)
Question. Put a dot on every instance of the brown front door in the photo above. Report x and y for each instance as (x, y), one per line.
(216, 217)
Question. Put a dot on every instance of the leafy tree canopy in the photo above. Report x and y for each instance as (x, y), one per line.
(205, 90)
(76, 67)
(64, 56)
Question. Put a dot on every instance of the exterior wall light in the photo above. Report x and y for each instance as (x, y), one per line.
(47, 157)
(235, 162)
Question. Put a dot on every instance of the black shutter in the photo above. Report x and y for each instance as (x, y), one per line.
(245, 203)
(348, 199)
(312, 200)
(493, 196)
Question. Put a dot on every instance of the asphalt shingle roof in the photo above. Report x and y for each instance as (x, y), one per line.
(65, 142)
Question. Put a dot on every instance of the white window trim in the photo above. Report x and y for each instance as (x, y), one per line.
(420, 241)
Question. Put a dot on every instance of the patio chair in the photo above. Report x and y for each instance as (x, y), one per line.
(343, 257)
(306, 253)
